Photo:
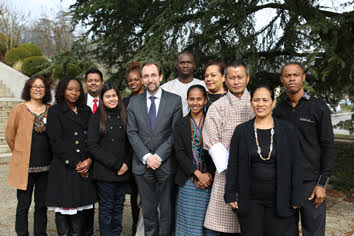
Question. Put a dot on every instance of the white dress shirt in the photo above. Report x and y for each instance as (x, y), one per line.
(157, 104)
(90, 101)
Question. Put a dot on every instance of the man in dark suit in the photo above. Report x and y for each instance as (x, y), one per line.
(151, 120)
(94, 83)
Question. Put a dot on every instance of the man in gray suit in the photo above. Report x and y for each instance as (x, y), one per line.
(151, 120)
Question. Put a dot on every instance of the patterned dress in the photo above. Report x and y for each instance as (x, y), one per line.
(192, 202)
(222, 118)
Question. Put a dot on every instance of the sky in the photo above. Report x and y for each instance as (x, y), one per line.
(38, 8)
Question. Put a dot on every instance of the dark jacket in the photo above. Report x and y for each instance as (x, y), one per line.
(184, 153)
(289, 188)
(67, 134)
(312, 119)
(109, 151)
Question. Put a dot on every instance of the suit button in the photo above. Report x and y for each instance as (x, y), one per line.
(120, 127)
(67, 162)
(85, 132)
(111, 127)
(76, 133)
(77, 150)
(112, 140)
(76, 142)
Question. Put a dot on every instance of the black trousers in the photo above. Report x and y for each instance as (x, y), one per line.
(134, 203)
(87, 218)
(157, 190)
(38, 183)
(313, 220)
(263, 220)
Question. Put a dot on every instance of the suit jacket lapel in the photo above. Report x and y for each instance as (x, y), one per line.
(146, 118)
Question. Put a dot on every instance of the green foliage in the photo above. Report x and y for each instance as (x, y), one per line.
(3, 47)
(343, 173)
(69, 69)
(33, 65)
(74, 62)
(16, 54)
(34, 49)
(126, 31)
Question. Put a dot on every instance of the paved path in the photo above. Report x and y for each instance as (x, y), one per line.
(340, 215)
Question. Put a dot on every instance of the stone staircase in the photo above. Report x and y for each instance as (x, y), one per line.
(7, 101)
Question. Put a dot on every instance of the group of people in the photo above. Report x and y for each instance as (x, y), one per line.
(204, 157)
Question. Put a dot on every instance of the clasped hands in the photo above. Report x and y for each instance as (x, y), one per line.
(153, 162)
(204, 179)
(82, 167)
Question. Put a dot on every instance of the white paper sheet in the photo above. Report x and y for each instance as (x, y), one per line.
(220, 156)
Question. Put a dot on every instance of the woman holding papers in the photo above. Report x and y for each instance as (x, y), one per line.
(195, 169)
(263, 181)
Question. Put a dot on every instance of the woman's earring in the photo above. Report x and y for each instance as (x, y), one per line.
(204, 108)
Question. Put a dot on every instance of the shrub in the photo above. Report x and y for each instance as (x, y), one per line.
(2, 44)
(32, 65)
(3, 48)
(34, 49)
(16, 54)
(72, 70)
(343, 172)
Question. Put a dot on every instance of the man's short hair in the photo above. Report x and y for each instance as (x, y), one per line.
(292, 63)
(184, 52)
(147, 63)
(94, 71)
(236, 64)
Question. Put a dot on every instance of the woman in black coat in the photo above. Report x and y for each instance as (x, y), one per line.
(263, 181)
(70, 189)
(108, 143)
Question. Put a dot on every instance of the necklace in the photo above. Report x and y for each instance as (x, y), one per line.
(259, 151)
(199, 128)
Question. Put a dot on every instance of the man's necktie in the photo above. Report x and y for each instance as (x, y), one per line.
(152, 113)
(94, 108)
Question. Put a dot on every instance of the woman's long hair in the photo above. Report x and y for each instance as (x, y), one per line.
(102, 115)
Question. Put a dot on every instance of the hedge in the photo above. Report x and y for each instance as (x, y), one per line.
(16, 54)
(2, 44)
(343, 172)
(72, 70)
(34, 49)
(32, 65)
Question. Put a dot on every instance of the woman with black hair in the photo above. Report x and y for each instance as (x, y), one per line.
(70, 189)
(214, 79)
(27, 138)
(263, 178)
(109, 146)
(195, 167)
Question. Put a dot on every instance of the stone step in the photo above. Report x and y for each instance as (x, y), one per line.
(4, 148)
(3, 126)
(3, 141)
(5, 157)
(3, 119)
(5, 94)
(4, 113)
